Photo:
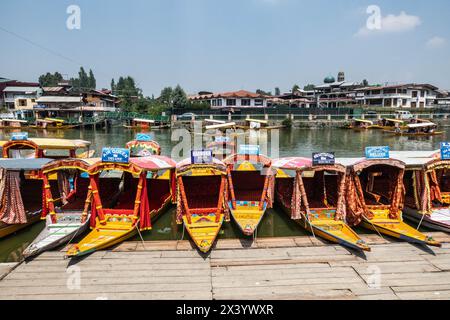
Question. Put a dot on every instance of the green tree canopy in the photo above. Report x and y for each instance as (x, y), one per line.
(179, 98)
(309, 87)
(50, 80)
(277, 91)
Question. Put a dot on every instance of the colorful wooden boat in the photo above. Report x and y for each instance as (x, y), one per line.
(360, 124)
(427, 184)
(52, 124)
(390, 124)
(314, 196)
(222, 148)
(422, 129)
(143, 148)
(146, 124)
(145, 192)
(13, 124)
(250, 183)
(64, 210)
(375, 198)
(21, 196)
(201, 202)
(257, 124)
(46, 147)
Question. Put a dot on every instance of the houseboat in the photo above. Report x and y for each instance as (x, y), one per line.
(13, 124)
(52, 124)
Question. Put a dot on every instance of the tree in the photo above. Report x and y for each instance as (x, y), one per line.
(50, 80)
(295, 88)
(113, 86)
(179, 97)
(264, 93)
(128, 92)
(91, 80)
(365, 83)
(166, 96)
(309, 87)
(277, 91)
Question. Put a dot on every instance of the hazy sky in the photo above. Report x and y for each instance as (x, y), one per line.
(228, 45)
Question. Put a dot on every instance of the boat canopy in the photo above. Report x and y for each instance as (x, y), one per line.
(136, 165)
(185, 167)
(369, 169)
(421, 125)
(394, 120)
(23, 164)
(71, 163)
(236, 158)
(257, 121)
(221, 126)
(214, 121)
(143, 148)
(363, 121)
(48, 143)
(299, 201)
(144, 120)
(14, 120)
(55, 120)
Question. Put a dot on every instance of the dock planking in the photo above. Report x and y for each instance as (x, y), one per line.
(281, 268)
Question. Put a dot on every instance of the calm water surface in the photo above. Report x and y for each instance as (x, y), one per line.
(294, 142)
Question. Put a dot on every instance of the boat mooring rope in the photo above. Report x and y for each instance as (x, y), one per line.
(140, 235)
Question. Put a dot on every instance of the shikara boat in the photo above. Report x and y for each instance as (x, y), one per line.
(52, 124)
(13, 124)
(390, 124)
(143, 148)
(145, 124)
(360, 124)
(201, 200)
(250, 183)
(427, 184)
(314, 196)
(375, 198)
(257, 124)
(46, 147)
(20, 194)
(141, 190)
(65, 209)
(417, 130)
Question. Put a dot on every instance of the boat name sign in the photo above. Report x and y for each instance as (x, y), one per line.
(201, 156)
(222, 139)
(144, 137)
(19, 136)
(323, 158)
(249, 149)
(116, 155)
(377, 152)
(445, 150)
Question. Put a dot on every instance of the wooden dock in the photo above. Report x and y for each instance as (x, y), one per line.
(274, 268)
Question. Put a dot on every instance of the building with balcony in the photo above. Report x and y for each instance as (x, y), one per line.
(398, 96)
(232, 100)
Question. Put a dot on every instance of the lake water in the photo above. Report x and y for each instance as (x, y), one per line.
(294, 142)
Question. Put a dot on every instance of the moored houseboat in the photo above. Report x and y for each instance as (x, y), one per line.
(52, 124)
(417, 130)
(13, 124)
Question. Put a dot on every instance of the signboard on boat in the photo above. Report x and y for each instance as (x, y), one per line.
(116, 155)
(445, 150)
(249, 149)
(19, 136)
(222, 139)
(323, 158)
(145, 137)
(377, 152)
(201, 156)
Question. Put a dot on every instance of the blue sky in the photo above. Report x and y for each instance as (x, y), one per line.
(228, 45)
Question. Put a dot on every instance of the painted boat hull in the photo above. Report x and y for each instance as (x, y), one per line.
(203, 230)
(247, 217)
(334, 231)
(437, 133)
(436, 221)
(399, 230)
(8, 229)
(55, 234)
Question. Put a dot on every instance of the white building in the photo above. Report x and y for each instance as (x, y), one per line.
(236, 99)
(398, 96)
(20, 98)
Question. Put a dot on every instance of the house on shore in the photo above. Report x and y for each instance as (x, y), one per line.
(232, 100)
(16, 93)
(398, 96)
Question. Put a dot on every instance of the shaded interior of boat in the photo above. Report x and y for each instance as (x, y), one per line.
(248, 185)
(321, 189)
(202, 192)
(378, 184)
(31, 192)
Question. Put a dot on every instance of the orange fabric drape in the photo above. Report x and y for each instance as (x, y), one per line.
(398, 196)
(356, 206)
(435, 190)
(96, 204)
(341, 211)
(12, 210)
(299, 197)
(144, 209)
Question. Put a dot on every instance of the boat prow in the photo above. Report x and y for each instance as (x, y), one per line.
(338, 232)
(116, 229)
(247, 215)
(400, 230)
(203, 230)
(438, 220)
(55, 234)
